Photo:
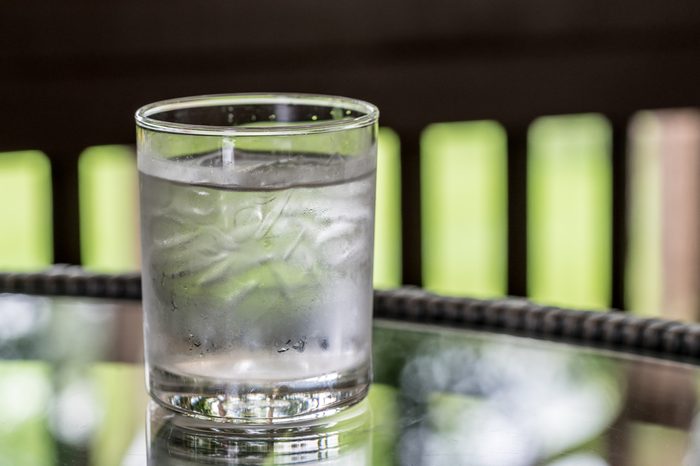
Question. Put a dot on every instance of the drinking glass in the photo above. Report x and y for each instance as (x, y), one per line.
(257, 222)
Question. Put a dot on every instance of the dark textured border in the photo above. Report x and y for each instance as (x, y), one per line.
(63, 280)
(614, 329)
(516, 315)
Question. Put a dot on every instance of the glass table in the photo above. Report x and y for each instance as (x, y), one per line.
(72, 393)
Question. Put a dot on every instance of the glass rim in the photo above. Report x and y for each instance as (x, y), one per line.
(144, 119)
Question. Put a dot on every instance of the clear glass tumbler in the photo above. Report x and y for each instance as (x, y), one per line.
(257, 221)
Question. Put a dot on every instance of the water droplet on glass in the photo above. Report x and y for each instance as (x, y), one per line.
(299, 345)
(285, 347)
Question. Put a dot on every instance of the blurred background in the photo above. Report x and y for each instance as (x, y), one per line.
(547, 149)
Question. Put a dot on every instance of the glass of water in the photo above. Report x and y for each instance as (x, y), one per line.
(257, 221)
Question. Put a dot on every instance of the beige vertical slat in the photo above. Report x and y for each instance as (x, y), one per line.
(679, 146)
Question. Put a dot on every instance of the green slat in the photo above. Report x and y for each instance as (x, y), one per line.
(463, 185)
(387, 230)
(25, 210)
(108, 208)
(569, 209)
(643, 268)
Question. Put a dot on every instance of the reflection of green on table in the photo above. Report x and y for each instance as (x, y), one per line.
(453, 389)
(110, 401)
(35, 431)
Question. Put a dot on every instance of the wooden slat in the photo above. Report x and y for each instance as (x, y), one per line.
(463, 208)
(569, 211)
(387, 226)
(25, 211)
(679, 151)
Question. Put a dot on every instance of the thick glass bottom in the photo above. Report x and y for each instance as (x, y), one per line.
(259, 403)
(343, 439)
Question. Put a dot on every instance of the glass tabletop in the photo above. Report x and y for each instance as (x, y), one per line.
(72, 393)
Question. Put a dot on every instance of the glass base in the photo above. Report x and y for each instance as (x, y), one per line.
(343, 439)
(256, 403)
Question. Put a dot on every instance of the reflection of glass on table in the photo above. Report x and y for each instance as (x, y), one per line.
(340, 440)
